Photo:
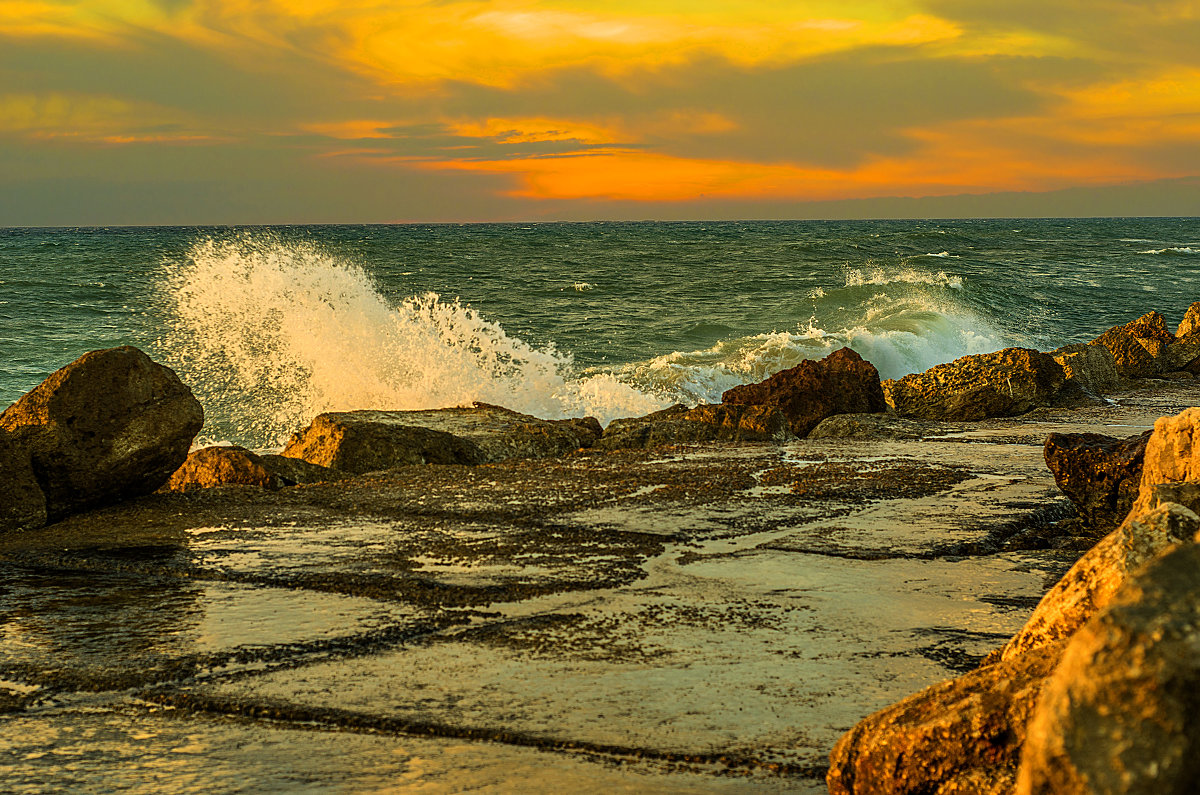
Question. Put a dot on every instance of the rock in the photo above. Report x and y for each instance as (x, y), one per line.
(1183, 354)
(109, 426)
(1130, 356)
(1150, 326)
(1091, 366)
(963, 735)
(231, 465)
(366, 441)
(841, 383)
(1100, 474)
(1121, 713)
(22, 504)
(1094, 579)
(1190, 322)
(1001, 384)
(296, 471)
(706, 423)
(873, 426)
(1172, 454)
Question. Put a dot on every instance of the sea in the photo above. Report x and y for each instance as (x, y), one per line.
(270, 326)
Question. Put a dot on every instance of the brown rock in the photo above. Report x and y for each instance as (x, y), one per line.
(1172, 454)
(1001, 384)
(947, 736)
(22, 504)
(1183, 354)
(1150, 326)
(1191, 321)
(841, 383)
(109, 426)
(875, 426)
(1091, 366)
(231, 465)
(1091, 583)
(706, 423)
(365, 441)
(1121, 713)
(1131, 358)
(1100, 474)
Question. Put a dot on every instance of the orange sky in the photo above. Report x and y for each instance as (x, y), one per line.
(311, 110)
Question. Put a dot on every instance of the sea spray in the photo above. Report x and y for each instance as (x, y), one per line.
(901, 320)
(271, 333)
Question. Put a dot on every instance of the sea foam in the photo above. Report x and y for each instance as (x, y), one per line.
(271, 333)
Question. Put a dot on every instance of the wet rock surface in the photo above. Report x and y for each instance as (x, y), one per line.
(1100, 474)
(1001, 384)
(1119, 715)
(109, 426)
(696, 617)
(231, 465)
(841, 383)
(367, 441)
(706, 423)
(1092, 367)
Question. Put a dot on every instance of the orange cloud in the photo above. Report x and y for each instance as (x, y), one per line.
(952, 161)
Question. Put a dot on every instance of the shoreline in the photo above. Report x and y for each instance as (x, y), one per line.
(679, 618)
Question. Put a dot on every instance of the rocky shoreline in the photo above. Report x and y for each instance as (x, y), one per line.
(707, 598)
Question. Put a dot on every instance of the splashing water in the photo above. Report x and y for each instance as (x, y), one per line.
(270, 334)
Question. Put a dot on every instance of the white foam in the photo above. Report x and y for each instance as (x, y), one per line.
(900, 332)
(1172, 250)
(857, 277)
(269, 334)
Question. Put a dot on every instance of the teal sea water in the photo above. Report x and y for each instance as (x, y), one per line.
(270, 326)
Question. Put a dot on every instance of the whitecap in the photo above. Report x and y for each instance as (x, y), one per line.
(1172, 250)
(271, 333)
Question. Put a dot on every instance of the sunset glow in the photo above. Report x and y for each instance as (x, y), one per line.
(478, 109)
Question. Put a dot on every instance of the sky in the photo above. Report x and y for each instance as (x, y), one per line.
(345, 111)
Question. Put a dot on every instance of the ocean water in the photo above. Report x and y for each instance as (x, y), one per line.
(270, 326)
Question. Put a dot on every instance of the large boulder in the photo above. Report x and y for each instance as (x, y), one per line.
(1150, 326)
(1121, 713)
(366, 441)
(1090, 366)
(22, 503)
(1133, 356)
(841, 383)
(232, 465)
(875, 426)
(705, 423)
(1096, 577)
(1001, 384)
(959, 736)
(1183, 354)
(1172, 454)
(109, 426)
(1190, 322)
(1100, 474)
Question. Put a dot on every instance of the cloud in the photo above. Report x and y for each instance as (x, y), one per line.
(650, 103)
(91, 119)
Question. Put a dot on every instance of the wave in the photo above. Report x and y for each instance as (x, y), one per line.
(270, 334)
(1172, 250)
(856, 277)
(898, 333)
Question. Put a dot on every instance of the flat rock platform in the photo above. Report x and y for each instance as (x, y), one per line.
(701, 618)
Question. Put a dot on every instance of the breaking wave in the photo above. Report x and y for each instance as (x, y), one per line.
(271, 333)
(1172, 250)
